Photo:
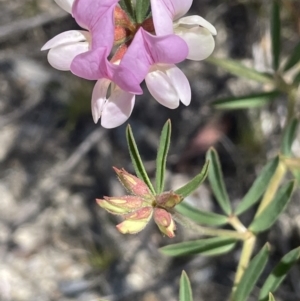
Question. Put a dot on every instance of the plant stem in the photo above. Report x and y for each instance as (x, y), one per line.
(248, 246)
(272, 187)
(237, 224)
(187, 223)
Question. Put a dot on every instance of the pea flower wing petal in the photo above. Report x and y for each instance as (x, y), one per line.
(168, 84)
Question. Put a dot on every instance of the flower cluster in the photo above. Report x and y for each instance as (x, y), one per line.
(119, 52)
(138, 208)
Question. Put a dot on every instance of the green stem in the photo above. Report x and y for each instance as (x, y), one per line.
(248, 246)
(272, 187)
(187, 223)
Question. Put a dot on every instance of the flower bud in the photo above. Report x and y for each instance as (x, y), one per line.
(165, 222)
(168, 200)
(136, 221)
(133, 184)
(120, 205)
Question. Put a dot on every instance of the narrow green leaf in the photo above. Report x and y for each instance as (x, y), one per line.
(239, 69)
(206, 246)
(136, 159)
(142, 8)
(185, 289)
(191, 186)
(251, 275)
(270, 214)
(215, 177)
(201, 217)
(279, 273)
(162, 154)
(296, 80)
(275, 33)
(293, 59)
(245, 102)
(289, 137)
(126, 5)
(258, 187)
(271, 297)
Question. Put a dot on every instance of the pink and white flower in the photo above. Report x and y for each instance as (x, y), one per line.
(167, 83)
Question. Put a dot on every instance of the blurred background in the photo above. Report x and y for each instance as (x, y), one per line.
(55, 242)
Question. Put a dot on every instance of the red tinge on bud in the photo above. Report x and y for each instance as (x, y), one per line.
(165, 222)
(133, 184)
(168, 200)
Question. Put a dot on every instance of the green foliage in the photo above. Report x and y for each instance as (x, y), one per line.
(251, 275)
(191, 186)
(293, 59)
(162, 154)
(289, 137)
(279, 273)
(259, 186)
(127, 6)
(136, 159)
(270, 214)
(216, 181)
(245, 102)
(240, 70)
(142, 8)
(185, 290)
(207, 246)
(201, 217)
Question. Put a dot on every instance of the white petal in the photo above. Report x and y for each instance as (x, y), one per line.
(180, 83)
(61, 57)
(65, 5)
(161, 88)
(118, 108)
(67, 37)
(199, 40)
(180, 7)
(99, 98)
(196, 20)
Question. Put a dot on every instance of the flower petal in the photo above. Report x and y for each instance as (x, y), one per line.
(165, 11)
(161, 88)
(196, 20)
(118, 108)
(121, 205)
(137, 221)
(144, 51)
(99, 98)
(168, 84)
(98, 17)
(61, 57)
(67, 37)
(180, 83)
(199, 40)
(65, 5)
(164, 221)
(92, 65)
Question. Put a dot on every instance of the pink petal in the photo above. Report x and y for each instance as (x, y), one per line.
(144, 51)
(165, 11)
(118, 108)
(92, 65)
(61, 57)
(67, 37)
(65, 4)
(99, 98)
(98, 17)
